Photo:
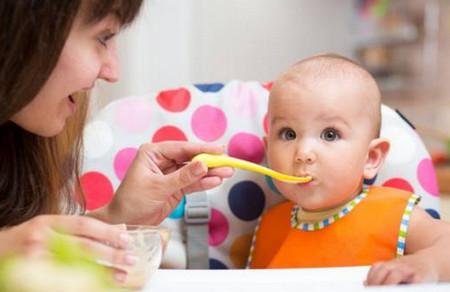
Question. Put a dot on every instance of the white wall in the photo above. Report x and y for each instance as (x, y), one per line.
(176, 42)
(258, 39)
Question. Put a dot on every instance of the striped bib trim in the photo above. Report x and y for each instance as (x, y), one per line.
(403, 232)
(295, 223)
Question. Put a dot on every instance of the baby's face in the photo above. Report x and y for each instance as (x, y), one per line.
(322, 131)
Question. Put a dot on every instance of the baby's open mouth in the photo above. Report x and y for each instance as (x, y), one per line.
(311, 179)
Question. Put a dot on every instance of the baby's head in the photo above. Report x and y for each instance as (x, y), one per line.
(324, 121)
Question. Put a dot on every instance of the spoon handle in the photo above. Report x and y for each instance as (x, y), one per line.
(214, 160)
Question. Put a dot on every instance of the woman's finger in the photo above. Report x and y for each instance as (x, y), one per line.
(223, 172)
(165, 154)
(91, 228)
(185, 176)
(106, 254)
(120, 276)
(203, 184)
(182, 151)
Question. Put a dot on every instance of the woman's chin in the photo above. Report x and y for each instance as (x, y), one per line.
(50, 131)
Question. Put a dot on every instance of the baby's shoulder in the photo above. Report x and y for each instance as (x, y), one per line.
(424, 230)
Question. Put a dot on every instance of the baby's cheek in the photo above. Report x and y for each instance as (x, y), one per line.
(284, 189)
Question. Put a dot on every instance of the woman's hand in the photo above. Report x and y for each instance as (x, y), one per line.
(106, 242)
(157, 180)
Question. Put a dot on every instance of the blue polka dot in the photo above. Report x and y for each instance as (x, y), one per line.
(209, 87)
(433, 213)
(369, 182)
(178, 212)
(216, 265)
(246, 200)
(271, 185)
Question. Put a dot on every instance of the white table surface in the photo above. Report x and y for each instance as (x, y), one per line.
(304, 280)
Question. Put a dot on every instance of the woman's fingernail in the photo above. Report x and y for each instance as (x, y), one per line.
(131, 260)
(198, 169)
(120, 277)
(124, 239)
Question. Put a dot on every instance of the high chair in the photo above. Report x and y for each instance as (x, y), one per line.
(219, 223)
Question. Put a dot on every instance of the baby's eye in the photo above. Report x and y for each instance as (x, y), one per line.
(330, 134)
(287, 134)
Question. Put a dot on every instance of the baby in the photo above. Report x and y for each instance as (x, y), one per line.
(324, 122)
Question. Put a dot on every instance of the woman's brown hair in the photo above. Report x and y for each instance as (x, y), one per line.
(40, 175)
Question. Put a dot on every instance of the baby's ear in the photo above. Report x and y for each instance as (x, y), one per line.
(265, 143)
(377, 152)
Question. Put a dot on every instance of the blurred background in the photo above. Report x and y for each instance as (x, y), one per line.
(405, 44)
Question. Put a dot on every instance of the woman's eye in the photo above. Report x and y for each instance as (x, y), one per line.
(330, 135)
(287, 134)
(103, 40)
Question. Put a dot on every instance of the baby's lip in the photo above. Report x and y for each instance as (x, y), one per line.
(306, 175)
(303, 174)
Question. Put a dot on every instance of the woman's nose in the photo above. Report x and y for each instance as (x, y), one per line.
(109, 70)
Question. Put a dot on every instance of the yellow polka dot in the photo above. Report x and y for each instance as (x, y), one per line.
(239, 250)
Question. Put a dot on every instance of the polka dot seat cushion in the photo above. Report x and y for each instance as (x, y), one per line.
(232, 114)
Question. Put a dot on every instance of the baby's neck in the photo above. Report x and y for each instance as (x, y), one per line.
(312, 216)
(308, 216)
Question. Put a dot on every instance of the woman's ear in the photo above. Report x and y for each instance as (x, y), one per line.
(377, 152)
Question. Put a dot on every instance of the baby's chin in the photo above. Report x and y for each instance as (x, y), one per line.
(309, 203)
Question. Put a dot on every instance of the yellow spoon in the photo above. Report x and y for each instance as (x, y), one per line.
(216, 160)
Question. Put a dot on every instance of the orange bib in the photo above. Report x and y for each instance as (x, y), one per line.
(367, 234)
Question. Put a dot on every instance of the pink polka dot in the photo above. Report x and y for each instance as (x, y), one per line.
(176, 100)
(218, 228)
(97, 189)
(266, 123)
(399, 183)
(427, 177)
(246, 146)
(123, 160)
(134, 115)
(244, 100)
(209, 123)
(169, 133)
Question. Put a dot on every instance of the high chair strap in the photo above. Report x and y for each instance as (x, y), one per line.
(197, 214)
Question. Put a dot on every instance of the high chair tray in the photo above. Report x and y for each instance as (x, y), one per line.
(316, 279)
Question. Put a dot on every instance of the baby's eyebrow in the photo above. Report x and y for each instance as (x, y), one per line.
(275, 120)
(335, 119)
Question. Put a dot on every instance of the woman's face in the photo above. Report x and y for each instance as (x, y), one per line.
(88, 54)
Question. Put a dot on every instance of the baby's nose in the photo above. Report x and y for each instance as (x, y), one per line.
(307, 157)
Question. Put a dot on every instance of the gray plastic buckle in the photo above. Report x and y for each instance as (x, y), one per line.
(197, 212)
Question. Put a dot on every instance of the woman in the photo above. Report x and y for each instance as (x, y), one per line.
(51, 54)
